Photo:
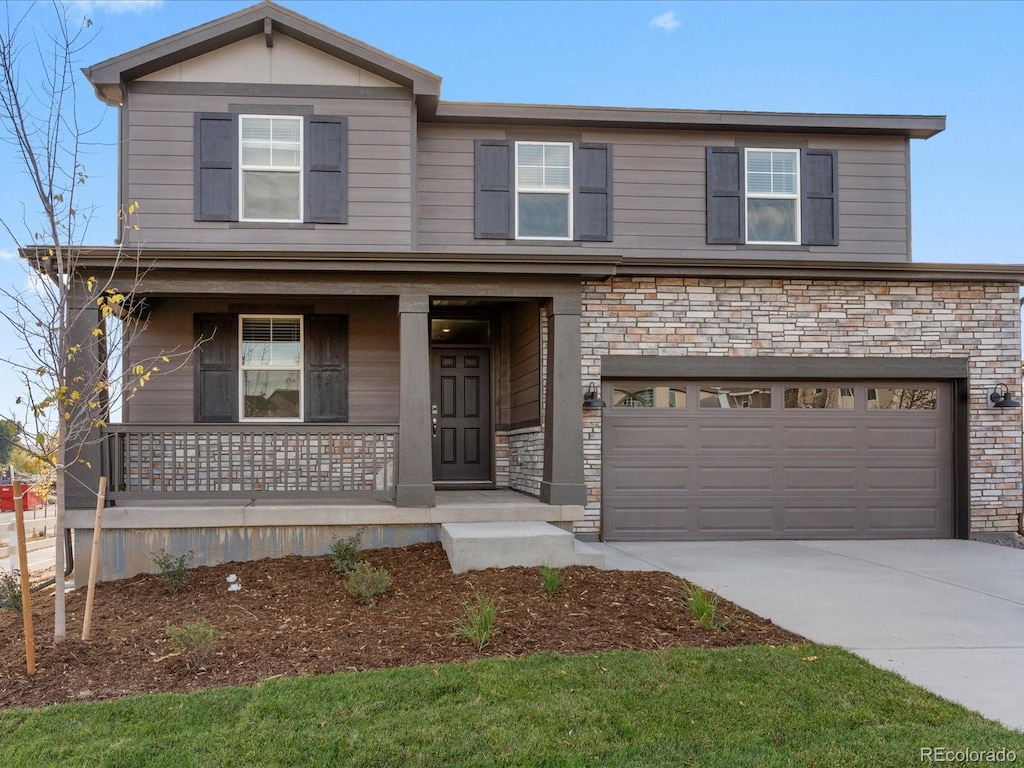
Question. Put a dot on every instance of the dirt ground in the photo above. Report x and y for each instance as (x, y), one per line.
(293, 616)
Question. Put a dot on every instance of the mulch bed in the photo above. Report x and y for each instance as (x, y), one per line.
(293, 617)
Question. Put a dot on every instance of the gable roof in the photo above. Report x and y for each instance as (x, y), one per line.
(263, 18)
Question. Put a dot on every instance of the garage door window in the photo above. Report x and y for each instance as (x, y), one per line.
(735, 397)
(900, 399)
(824, 398)
(648, 397)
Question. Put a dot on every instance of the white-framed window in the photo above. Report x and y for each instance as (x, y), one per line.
(270, 165)
(543, 190)
(773, 196)
(270, 353)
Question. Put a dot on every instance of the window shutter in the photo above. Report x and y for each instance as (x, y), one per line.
(819, 196)
(726, 215)
(495, 182)
(592, 196)
(326, 169)
(216, 368)
(215, 191)
(326, 371)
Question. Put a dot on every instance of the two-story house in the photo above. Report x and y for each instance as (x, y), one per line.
(658, 323)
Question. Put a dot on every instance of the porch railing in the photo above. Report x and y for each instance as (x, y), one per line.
(289, 462)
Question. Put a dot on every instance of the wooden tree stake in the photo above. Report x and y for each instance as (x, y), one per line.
(94, 560)
(26, 595)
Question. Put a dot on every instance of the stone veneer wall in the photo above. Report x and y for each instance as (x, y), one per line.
(824, 318)
(526, 459)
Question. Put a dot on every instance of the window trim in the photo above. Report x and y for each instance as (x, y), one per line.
(242, 368)
(747, 196)
(568, 192)
(300, 169)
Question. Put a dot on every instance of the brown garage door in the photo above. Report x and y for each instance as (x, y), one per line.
(776, 460)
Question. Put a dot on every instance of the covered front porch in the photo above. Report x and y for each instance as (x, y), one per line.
(391, 414)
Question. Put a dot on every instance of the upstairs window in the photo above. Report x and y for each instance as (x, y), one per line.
(284, 169)
(773, 196)
(271, 168)
(543, 191)
(271, 367)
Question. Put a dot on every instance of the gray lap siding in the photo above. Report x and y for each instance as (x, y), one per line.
(733, 318)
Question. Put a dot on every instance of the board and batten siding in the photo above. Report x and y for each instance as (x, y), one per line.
(160, 175)
(525, 366)
(373, 358)
(660, 197)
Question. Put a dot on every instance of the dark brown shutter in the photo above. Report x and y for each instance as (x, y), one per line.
(215, 183)
(819, 196)
(216, 368)
(495, 182)
(326, 161)
(592, 196)
(326, 363)
(726, 214)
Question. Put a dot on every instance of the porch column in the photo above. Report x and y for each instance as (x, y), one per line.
(84, 371)
(415, 487)
(562, 481)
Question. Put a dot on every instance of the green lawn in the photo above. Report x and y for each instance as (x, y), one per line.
(751, 706)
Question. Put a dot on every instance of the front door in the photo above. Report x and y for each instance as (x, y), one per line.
(461, 414)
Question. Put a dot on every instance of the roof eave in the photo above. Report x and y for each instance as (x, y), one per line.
(911, 126)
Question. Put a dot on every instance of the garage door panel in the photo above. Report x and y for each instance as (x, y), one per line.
(776, 472)
(904, 437)
(909, 519)
(819, 437)
(816, 477)
(729, 479)
(643, 478)
(718, 518)
(734, 437)
(904, 478)
(647, 435)
(654, 519)
(825, 516)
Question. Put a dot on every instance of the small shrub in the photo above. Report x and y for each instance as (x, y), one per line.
(366, 583)
(552, 578)
(196, 639)
(703, 605)
(10, 591)
(173, 570)
(344, 553)
(477, 622)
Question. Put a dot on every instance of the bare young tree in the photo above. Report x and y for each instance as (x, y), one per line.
(76, 313)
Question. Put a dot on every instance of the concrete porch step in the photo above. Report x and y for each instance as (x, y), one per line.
(476, 546)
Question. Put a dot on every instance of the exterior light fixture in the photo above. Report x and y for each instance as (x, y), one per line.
(591, 399)
(1001, 397)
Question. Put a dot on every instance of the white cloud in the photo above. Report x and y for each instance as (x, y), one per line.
(667, 21)
(6, 255)
(118, 6)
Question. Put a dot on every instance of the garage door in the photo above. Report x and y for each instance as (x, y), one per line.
(776, 460)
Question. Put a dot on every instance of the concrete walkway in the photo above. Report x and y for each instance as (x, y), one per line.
(946, 615)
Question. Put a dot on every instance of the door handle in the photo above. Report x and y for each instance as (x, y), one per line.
(433, 427)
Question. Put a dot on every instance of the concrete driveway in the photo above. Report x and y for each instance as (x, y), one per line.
(946, 615)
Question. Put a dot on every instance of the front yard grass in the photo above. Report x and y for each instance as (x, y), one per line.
(801, 705)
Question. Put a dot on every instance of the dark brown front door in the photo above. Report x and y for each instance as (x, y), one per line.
(461, 404)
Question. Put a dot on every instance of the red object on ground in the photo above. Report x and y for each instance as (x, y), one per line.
(29, 498)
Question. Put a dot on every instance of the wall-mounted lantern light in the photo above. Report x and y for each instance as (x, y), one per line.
(592, 399)
(1001, 397)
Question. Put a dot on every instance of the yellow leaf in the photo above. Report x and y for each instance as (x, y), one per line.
(137, 370)
(97, 332)
(165, 358)
(133, 207)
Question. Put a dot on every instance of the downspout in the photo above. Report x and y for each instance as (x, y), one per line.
(69, 563)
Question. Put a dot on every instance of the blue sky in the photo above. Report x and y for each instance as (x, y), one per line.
(963, 60)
